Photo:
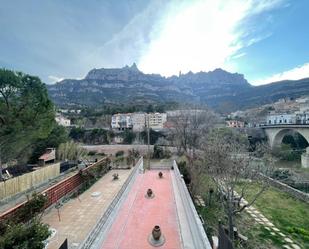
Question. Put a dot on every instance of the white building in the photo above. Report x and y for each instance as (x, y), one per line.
(297, 118)
(281, 119)
(156, 120)
(302, 118)
(122, 121)
(61, 120)
(139, 121)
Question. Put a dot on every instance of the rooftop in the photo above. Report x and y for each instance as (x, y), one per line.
(132, 216)
(139, 215)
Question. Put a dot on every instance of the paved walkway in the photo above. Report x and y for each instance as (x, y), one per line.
(273, 230)
(79, 216)
(13, 201)
(139, 215)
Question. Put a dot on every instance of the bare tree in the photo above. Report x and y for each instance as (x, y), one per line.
(227, 161)
(191, 127)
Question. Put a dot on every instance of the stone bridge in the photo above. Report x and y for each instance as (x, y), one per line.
(275, 134)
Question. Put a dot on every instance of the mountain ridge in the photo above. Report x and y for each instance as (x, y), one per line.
(129, 84)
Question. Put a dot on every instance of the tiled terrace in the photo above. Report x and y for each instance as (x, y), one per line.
(79, 216)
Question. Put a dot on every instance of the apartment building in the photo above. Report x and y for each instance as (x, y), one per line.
(122, 121)
(156, 120)
(139, 121)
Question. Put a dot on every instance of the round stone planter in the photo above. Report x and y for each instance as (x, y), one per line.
(149, 194)
(156, 238)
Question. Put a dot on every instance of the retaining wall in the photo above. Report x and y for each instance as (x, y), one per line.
(286, 188)
(59, 190)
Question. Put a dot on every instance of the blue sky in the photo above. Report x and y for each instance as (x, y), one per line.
(266, 40)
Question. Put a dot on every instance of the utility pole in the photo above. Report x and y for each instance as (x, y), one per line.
(148, 142)
(1, 176)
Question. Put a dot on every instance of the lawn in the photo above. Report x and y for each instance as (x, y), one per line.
(290, 215)
(258, 238)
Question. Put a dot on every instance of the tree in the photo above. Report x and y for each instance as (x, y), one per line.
(128, 137)
(133, 155)
(71, 151)
(57, 136)
(26, 114)
(158, 152)
(153, 136)
(24, 230)
(191, 129)
(227, 161)
(25, 236)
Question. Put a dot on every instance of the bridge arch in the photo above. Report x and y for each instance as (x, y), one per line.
(276, 134)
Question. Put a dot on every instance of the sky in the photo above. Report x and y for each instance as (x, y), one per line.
(266, 40)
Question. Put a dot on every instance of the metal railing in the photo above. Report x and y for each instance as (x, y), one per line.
(94, 234)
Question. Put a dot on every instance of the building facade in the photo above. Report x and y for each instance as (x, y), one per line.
(122, 121)
(276, 119)
(63, 121)
(139, 121)
(156, 120)
(295, 118)
(235, 124)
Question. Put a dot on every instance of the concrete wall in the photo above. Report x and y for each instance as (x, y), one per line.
(305, 159)
(29, 180)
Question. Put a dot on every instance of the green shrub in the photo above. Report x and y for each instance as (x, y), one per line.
(182, 165)
(119, 153)
(24, 236)
(92, 153)
(32, 208)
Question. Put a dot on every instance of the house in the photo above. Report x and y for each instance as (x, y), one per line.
(49, 156)
(63, 121)
(235, 124)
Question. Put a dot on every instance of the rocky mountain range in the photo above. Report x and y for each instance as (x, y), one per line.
(218, 89)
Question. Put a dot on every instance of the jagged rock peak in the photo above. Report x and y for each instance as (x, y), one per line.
(113, 73)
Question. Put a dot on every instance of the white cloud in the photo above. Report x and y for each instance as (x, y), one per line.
(296, 73)
(202, 35)
(54, 79)
(236, 56)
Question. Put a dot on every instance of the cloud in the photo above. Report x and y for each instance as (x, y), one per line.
(160, 36)
(128, 45)
(54, 79)
(296, 73)
(203, 35)
(236, 56)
